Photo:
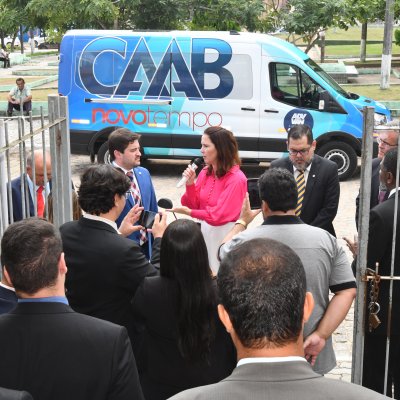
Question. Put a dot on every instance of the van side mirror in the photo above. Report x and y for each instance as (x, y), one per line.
(324, 99)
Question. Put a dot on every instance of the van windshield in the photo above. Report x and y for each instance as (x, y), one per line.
(327, 78)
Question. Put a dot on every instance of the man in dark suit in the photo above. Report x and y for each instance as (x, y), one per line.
(48, 349)
(387, 139)
(264, 305)
(380, 251)
(125, 154)
(32, 183)
(317, 179)
(106, 268)
(8, 298)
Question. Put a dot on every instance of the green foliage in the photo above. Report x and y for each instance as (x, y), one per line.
(157, 14)
(397, 37)
(361, 11)
(308, 18)
(9, 20)
(225, 15)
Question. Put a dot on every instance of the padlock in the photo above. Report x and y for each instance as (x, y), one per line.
(373, 321)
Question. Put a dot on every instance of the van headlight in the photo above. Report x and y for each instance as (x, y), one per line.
(380, 119)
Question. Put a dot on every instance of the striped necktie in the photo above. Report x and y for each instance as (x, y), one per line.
(134, 189)
(301, 188)
(136, 197)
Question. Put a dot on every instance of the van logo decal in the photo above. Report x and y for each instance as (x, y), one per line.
(156, 69)
(298, 116)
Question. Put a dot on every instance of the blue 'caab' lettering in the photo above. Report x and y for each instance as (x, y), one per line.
(108, 68)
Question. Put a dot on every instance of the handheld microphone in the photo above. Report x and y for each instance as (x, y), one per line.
(194, 165)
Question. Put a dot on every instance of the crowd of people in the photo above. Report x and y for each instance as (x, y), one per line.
(104, 308)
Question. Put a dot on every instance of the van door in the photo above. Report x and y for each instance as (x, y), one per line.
(291, 97)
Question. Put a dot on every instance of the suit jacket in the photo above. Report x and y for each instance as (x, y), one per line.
(8, 394)
(278, 381)
(8, 300)
(17, 199)
(163, 371)
(321, 199)
(55, 353)
(380, 250)
(104, 270)
(376, 166)
(148, 197)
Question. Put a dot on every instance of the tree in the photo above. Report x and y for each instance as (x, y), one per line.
(157, 14)
(9, 21)
(272, 18)
(364, 11)
(67, 14)
(307, 18)
(227, 15)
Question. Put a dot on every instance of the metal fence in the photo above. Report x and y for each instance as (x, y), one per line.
(20, 137)
(367, 273)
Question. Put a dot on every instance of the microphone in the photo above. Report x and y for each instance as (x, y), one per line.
(194, 165)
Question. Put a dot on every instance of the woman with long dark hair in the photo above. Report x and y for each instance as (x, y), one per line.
(217, 195)
(182, 343)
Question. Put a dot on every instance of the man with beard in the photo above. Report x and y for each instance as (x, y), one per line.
(316, 177)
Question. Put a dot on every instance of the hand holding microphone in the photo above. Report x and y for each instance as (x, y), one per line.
(189, 173)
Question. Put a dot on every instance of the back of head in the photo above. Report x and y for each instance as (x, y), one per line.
(119, 140)
(278, 189)
(262, 286)
(99, 184)
(390, 162)
(227, 148)
(30, 251)
(184, 259)
(298, 131)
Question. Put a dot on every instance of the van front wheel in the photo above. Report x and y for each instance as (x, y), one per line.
(343, 155)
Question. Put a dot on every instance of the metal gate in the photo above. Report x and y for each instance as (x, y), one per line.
(363, 271)
(20, 137)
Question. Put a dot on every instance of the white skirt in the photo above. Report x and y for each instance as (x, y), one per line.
(213, 236)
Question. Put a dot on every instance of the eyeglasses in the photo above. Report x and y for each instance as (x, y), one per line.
(383, 143)
(302, 152)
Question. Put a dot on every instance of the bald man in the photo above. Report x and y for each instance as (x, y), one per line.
(32, 183)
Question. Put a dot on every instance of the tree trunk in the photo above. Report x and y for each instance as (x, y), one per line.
(387, 48)
(21, 39)
(363, 44)
(322, 39)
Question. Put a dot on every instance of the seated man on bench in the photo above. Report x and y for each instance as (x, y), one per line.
(20, 94)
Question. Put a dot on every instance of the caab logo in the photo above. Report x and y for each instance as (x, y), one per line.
(156, 68)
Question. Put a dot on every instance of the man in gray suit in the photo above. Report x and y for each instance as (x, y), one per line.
(264, 305)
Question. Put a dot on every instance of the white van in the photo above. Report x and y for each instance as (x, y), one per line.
(170, 86)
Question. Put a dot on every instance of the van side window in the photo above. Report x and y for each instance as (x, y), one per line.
(291, 85)
(232, 81)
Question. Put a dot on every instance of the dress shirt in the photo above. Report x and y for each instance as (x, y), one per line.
(296, 173)
(134, 180)
(7, 287)
(31, 191)
(252, 360)
(101, 219)
(51, 299)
